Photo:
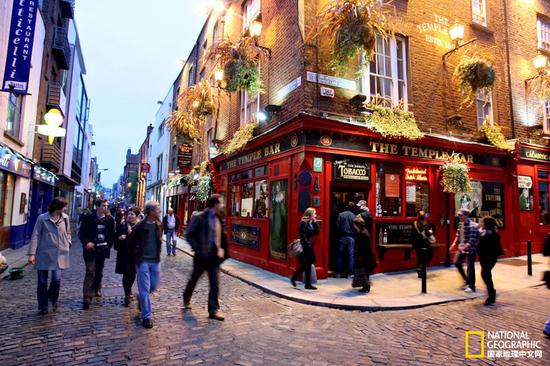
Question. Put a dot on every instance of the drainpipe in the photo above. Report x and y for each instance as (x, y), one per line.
(508, 67)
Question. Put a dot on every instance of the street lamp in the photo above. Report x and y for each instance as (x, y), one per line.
(540, 61)
(218, 75)
(456, 33)
(52, 128)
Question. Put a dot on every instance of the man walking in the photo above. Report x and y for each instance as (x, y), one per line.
(171, 224)
(466, 239)
(346, 242)
(207, 238)
(97, 234)
(145, 241)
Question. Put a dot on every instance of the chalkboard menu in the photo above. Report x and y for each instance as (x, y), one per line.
(248, 236)
(185, 155)
(397, 233)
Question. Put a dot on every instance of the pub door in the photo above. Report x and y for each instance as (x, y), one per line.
(340, 195)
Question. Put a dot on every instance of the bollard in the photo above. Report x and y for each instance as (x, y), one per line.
(529, 258)
(424, 254)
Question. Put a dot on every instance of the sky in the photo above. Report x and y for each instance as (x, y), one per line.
(132, 51)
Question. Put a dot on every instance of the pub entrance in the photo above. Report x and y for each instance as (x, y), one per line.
(340, 195)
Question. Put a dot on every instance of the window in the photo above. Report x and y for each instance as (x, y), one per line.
(388, 189)
(278, 229)
(546, 117)
(479, 12)
(484, 104)
(13, 122)
(252, 10)
(250, 106)
(159, 167)
(417, 196)
(215, 34)
(544, 214)
(161, 131)
(191, 76)
(543, 31)
(386, 75)
(247, 199)
(7, 190)
(261, 202)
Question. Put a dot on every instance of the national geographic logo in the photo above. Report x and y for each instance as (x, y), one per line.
(501, 344)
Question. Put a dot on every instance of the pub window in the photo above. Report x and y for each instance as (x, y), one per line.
(417, 197)
(278, 228)
(252, 10)
(543, 32)
(486, 199)
(388, 189)
(484, 103)
(235, 205)
(250, 106)
(260, 171)
(544, 215)
(261, 199)
(191, 76)
(386, 75)
(247, 199)
(13, 122)
(479, 12)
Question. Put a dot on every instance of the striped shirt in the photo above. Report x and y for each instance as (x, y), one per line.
(467, 235)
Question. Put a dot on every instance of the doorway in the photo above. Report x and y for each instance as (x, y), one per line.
(340, 196)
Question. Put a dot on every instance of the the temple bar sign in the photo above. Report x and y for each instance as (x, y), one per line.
(417, 152)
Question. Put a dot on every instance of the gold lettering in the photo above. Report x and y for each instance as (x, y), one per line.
(423, 153)
(414, 152)
(470, 159)
(432, 153)
(406, 150)
(393, 149)
(374, 146)
(385, 148)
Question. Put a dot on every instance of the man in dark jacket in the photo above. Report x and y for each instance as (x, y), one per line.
(97, 234)
(207, 238)
(145, 241)
(171, 224)
(346, 242)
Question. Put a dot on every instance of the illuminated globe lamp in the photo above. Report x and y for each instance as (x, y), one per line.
(255, 28)
(218, 75)
(456, 32)
(540, 62)
(52, 128)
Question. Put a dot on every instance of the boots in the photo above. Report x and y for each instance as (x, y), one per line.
(492, 297)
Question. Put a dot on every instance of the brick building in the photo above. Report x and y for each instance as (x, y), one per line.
(312, 130)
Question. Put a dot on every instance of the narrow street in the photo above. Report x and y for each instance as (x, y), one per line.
(259, 329)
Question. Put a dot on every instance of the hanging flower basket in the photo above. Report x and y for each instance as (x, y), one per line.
(493, 133)
(203, 188)
(204, 167)
(393, 122)
(474, 73)
(351, 26)
(241, 138)
(455, 177)
(242, 75)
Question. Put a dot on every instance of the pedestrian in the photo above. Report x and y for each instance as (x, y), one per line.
(365, 261)
(422, 241)
(489, 249)
(364, 213)
(466, 241)
(308, 228)
(206, 236)
(125, 263)
(171, 224)
(97, 234)
(346, 241)
(49, 252)
(145, 241)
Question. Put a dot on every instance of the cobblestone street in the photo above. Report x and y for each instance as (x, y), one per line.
(259, 329)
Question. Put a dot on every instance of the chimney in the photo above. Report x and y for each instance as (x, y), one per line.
(150, 129)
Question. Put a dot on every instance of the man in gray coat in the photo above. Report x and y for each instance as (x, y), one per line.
(49, 251)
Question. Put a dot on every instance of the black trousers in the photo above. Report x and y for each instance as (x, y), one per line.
(128, 279)
(95, 261)
(305, 267)
(429, 256)
(487, 276)
(212, 267)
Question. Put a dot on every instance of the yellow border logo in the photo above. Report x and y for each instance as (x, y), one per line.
(481, 334)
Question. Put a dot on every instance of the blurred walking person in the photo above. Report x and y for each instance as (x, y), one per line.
(97, 234)
(466, 241)
(125, 263)
(49, 252)
(170, 224)
(206, 236)
(365, 261)
(489, 249)
(308, 228)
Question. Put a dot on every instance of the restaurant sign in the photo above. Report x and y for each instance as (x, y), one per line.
(185, 155)
(248, 236)
(346, 169)
(533, 154)
(416, 174)
(12, 163)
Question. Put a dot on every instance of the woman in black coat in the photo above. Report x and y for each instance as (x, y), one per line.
(423, 238)
(365, 261)
(125, 263)
(308, 228)
(489, 249)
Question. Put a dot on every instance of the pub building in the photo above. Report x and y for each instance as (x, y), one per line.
(322, 163)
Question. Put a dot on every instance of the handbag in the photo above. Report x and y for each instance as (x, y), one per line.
(295, 248)
(359, 277)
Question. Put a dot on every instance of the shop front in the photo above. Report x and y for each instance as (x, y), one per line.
(327, 164)
(42, 193)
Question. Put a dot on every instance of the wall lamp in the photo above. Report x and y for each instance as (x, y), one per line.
(540, 62)
(456, 32)
(358, 103)
(267, 113)
(255, 30)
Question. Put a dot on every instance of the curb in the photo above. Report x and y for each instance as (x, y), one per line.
(340, 306)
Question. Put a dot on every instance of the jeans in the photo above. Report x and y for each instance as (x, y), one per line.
(470, 258)
(547, 326)
(171, 241)
(199, 267)
(148, 279)
(486, 268)
(95, 261)
(43, 292)
(345, 244)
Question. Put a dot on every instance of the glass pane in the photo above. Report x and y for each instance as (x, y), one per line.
(247, 199)
(260, 205)
(542, 174)
(8, 199)
(278, 219)
(543, 203)
(2, 184)
(388, 190)
(417, 197)
(235, 204)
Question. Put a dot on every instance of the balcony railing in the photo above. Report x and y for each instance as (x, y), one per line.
(56, 97)
(67, 8)
(50, 156)
(61, 48)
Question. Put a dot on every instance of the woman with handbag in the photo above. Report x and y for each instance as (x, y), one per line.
(488, 250)
(423, 238)
(308, 228)
(49, 252)
(125, 263)
(365, 261)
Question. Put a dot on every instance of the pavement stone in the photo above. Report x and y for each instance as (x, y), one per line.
(260, 329)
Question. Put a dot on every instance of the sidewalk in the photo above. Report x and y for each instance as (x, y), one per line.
(15, 258)
(390, 291)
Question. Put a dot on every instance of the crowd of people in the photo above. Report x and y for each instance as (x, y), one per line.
(136, 236)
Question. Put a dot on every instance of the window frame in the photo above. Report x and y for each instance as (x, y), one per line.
(543, 29)
(248, 16)
(15, 108)
(479, 12)
(365, 80)
(546, 117)
(486, 97)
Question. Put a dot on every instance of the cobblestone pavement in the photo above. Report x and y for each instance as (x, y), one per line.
(259, 329)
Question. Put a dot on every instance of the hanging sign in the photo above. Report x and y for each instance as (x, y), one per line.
(525, 181)
(19, 51)
(533, 154)
(145, 167)
(347, 169)
(416, 174)
(185, 155)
